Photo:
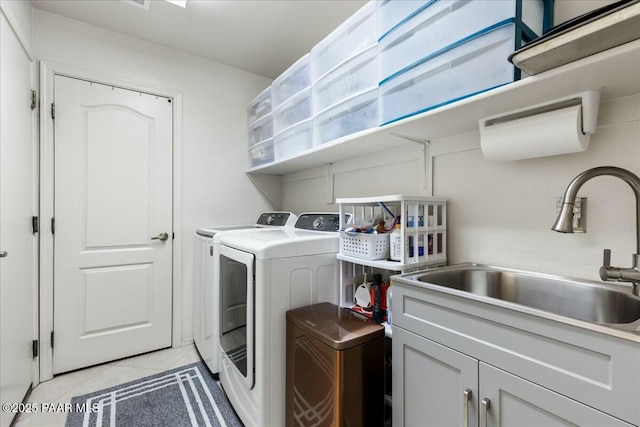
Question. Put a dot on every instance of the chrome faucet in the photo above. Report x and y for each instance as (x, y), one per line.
(564, 223)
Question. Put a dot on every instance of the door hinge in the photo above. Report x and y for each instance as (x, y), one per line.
(173, 236)
(53, 226)
(51, 339)
(35, 224)
(34, 348)
(34, 103)
(53, 110)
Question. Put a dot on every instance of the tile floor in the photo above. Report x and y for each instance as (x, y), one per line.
(66, 386)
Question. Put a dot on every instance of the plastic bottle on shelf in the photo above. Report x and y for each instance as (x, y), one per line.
(395, 244)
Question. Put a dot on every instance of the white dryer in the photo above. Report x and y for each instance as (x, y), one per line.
(206, 312)
(262, 276)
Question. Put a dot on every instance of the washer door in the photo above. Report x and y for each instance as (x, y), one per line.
(237, 310)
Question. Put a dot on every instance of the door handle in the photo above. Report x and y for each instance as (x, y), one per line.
(4, 254)
(486, 404)
(466, 398)
(161, 236)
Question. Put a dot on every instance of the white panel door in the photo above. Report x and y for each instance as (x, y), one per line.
(17, 242)
(113, 199)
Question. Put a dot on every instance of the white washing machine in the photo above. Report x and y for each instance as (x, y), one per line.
(206, 312)
(262, 276)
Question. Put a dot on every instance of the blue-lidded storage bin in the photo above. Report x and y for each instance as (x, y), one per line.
(392, 13)
(469, 66)
(443, 22)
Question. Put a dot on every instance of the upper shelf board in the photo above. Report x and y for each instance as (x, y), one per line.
(615, 72)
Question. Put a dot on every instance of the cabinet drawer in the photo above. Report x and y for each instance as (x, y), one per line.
(600, 370)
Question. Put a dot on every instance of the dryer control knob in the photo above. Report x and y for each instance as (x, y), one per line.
(318, 223)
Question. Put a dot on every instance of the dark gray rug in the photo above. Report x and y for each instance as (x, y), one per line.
(186, 396)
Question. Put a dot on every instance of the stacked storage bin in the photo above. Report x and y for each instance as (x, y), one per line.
(292, 110)
(260, 129)
(445, 50)
(344, 75)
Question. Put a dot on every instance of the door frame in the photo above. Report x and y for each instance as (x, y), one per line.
(47, 72)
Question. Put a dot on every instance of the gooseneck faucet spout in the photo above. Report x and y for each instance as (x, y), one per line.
(564, 223)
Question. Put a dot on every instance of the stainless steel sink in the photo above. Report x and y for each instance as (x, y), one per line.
(582, 300)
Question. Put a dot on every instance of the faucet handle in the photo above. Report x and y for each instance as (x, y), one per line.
(605, 270)
(606, 258)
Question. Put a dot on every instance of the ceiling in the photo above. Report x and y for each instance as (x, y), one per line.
(263, 37)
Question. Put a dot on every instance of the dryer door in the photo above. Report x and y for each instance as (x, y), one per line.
(237, 310)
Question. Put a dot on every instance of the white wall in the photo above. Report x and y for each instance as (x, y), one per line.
(501, 213)
(215, 97)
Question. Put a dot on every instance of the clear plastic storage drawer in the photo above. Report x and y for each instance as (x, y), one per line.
(260, 130)
(393, 12)
(261, 153)
(446, 21)
(292, 81)
(474, 66)
(355, 114)
(294, 140)
(352, 36)
(355, 75)
(294, 110)
(260, 106)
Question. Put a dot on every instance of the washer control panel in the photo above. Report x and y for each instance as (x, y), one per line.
(274, 218)
(321, 221)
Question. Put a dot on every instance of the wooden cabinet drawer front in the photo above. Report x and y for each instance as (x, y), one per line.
(597, 369)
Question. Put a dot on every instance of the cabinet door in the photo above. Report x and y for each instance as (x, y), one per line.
(429, 384)
(520, 403)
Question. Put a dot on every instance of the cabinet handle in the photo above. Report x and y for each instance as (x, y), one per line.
(4, 254)
(486, 404)
(466, 398)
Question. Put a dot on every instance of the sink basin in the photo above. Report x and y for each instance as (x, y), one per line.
(582, 300)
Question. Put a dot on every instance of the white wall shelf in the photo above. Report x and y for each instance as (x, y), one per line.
(387, 265)
(614, 71)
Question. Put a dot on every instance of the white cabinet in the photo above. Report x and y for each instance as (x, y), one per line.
(533, 371)
(437, 386)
